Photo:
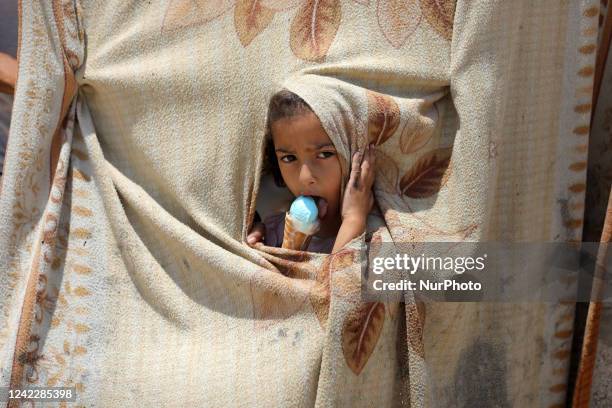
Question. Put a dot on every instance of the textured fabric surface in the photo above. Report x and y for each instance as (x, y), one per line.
(598, 191)
(133, 172)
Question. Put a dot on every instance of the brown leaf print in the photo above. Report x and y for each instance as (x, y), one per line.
(439, 14)
(346, 272)
(278, 5)
(360, 333)
(387, 173)
(251, 18)
(184, 13)
(321, 291)
(383, 117)
(415, 315)
(398, 19)
(342, 260)
(416, 133)
(425, 177)
(313, 29)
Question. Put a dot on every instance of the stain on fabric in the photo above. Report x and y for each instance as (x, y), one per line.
(480, 376)
(297, 338)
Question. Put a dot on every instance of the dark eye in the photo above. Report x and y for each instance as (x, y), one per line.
(288, 158)
(325, 155)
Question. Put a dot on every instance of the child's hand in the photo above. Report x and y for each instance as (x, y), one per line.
(358, 199)
(8, 73)
(256, 234)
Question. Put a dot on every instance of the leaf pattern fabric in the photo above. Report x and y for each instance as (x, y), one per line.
(398, 19)
(383, 117)
(316, 22)
(360, 333)
(250, 18)
(314, 28)
(425, 177)
(439, 14)
(131, 182)
(279, 5)
(185, 13)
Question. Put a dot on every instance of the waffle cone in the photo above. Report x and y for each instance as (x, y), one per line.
(293, 238)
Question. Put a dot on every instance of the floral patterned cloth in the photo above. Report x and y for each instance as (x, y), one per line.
(132, 176)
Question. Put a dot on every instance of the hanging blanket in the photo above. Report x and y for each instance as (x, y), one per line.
(133, 168)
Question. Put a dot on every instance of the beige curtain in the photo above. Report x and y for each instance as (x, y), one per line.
(133, 171)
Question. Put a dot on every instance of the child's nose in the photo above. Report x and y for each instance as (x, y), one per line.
(306, 175)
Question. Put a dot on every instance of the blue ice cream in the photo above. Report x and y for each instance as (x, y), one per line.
(304, 210)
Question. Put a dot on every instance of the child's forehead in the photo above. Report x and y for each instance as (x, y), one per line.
(302, 130)
(305, 146)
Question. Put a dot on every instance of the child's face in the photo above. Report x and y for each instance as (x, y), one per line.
(308, 161)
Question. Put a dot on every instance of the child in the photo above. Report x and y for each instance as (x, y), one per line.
(302, 157)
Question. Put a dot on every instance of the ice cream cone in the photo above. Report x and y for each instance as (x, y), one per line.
(294, 237)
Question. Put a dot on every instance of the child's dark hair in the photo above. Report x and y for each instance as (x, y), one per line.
(283, 104)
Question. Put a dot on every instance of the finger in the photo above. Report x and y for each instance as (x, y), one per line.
(257, 233)
(356, 164)
(369, 175)
(254, 237)
(366, 166)
(355, 169)
(367, 157)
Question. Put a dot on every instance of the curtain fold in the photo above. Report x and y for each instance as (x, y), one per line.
(133, 171)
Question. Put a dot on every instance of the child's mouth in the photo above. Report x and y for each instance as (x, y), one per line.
(321, 205)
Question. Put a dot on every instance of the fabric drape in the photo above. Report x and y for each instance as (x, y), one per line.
(133, 171)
